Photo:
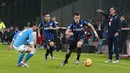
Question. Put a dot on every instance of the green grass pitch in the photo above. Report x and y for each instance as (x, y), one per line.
(8, 60)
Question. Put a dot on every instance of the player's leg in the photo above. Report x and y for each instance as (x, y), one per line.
(71, 46)
(110, 46)
(31, 52)
(51, 44)
(46, 45)
(20, 58)
(79, 46)
(116, 51)
(21, 55)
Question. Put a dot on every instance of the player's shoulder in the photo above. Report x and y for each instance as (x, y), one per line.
(83, 22)
(29, 30)
(117, 16)
(42, 22)
(52, 21)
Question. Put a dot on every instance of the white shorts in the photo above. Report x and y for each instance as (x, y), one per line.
(34, 38)
(21, 48)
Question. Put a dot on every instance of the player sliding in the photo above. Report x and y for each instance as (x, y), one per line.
(19, 41)
(48, 27)
(75, 34)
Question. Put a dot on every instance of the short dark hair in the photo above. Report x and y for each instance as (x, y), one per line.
(112, 7)
(76, 13)
(46, 13)
(32, 23)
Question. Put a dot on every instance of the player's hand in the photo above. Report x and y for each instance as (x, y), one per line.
(99, 10)
(10, 47)
(116, 34)
(39, 35)
(67, 36)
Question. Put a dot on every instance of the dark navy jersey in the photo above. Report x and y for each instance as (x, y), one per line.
(47, 33)
(77, 29)
(113, 24)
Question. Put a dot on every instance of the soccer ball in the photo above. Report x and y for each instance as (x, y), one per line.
(87, 62)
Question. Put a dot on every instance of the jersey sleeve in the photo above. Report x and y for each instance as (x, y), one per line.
(118, 24)
(15, 36)
(85, 23)
(54, 24)
(105, 15)
(30, 40)
(70, 26)
(41, 25)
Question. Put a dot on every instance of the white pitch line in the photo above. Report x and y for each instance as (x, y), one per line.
(82, 60)
(114, 66)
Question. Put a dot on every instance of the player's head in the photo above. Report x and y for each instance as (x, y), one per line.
(122, 18)
(16, 28)
(11, 28)
(33, 25)
(54, 18)
(76, 17)
(112, 10)
(47, 16)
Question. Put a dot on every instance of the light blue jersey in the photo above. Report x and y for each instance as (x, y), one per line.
(24, 36)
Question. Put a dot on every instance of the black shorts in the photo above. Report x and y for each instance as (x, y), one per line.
(72, 44)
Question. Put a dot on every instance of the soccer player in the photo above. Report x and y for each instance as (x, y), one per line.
(48, 27)
(25, 36)
(75, 34)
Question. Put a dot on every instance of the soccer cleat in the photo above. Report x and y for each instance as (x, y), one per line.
(20, 64)
(45, 57)
(116, 61)
(77, 62)
(24, 64)
(52, 57)
(108, 61)
(64, 63)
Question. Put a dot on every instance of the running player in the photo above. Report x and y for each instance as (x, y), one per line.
(75, 34)
(25, 36)
(48, 27)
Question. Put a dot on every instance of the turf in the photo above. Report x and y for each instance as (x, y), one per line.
(8, 60)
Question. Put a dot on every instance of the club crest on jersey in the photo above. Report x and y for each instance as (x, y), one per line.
(81, 25)
(74, 26)
(51, 23)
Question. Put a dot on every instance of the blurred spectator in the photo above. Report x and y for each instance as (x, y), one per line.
(88, 35)
(2, 27)
(16, 31)
(10, 34)
(55, 20)
(99, 28)
(57, 36)
(123, 34)
(99, 47)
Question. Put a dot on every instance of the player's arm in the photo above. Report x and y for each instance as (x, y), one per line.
(30, 40)
(118, 26)
(11, 44)
(69, 32)
(54, 27)
(39, 27)
(92, 28)
(103, 13)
